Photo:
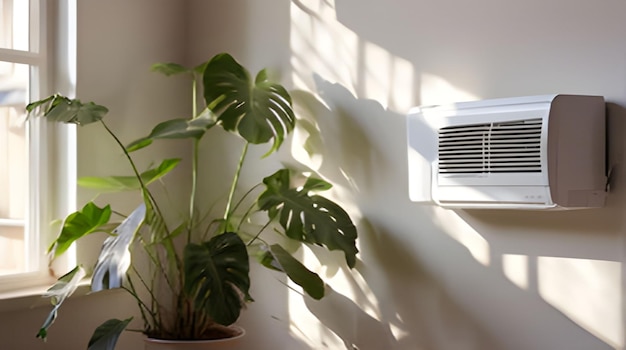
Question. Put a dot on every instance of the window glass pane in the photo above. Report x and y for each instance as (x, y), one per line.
(14, 24)
(14, 179)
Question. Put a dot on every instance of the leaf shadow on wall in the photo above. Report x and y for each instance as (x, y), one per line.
(321, 133)
(412, 309)
(394, 303)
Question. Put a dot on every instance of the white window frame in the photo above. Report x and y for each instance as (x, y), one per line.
(52, 147)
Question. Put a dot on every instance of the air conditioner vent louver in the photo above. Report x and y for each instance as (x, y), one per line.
(505, 147)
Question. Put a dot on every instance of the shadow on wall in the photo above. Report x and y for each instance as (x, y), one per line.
(389, 301)
(323, 130)
(396, 304)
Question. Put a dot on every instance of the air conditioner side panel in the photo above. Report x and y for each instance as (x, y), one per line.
(577, 151)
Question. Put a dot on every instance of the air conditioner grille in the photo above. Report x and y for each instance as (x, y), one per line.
(508, 147)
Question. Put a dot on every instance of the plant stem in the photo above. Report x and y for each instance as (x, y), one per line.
(194, 94)
(143, 308)
(259, 233)
(244, 197)
(144, 189)
(233, 187)
(245, 215)
(157, 262)
(194, 159)
(194, 185)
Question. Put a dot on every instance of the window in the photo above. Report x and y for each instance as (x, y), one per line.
(31, 157)
(14, 184)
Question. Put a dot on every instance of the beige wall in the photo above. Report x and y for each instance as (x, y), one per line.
(427, 278)
(431, 278)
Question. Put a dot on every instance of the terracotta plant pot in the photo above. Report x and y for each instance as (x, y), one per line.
(215, 344)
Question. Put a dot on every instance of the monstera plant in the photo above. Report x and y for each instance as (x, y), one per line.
(197, 279)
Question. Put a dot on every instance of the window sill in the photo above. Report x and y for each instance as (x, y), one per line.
(28, 298)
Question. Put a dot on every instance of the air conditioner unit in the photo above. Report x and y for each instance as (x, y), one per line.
(537, 152)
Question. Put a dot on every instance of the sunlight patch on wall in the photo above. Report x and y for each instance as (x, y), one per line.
(402, 95)
(303, 324)
(350, 283)
(387, 79)
(515, 268)
(306, 327)
(328, 57)
(588, 292)
(317, 322)
(399, 332)
(436, 90)
(367, 300)
(306, 143)
(320, 44)
(464, 234)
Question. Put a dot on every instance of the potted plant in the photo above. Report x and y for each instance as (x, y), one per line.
(197, 279)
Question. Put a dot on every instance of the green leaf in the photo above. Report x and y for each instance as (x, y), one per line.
(297, 272)
(58, 108)
(184, 128)
(114, 258)
(168, 68)
(216, 276)
(61, 290)
(106, 335)
(109, 183)
(307, 217)
(177, 129)
(128, 183)
(78, 224)
(267, 259)
(33, 106)
(138, 144)
(258, 111)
